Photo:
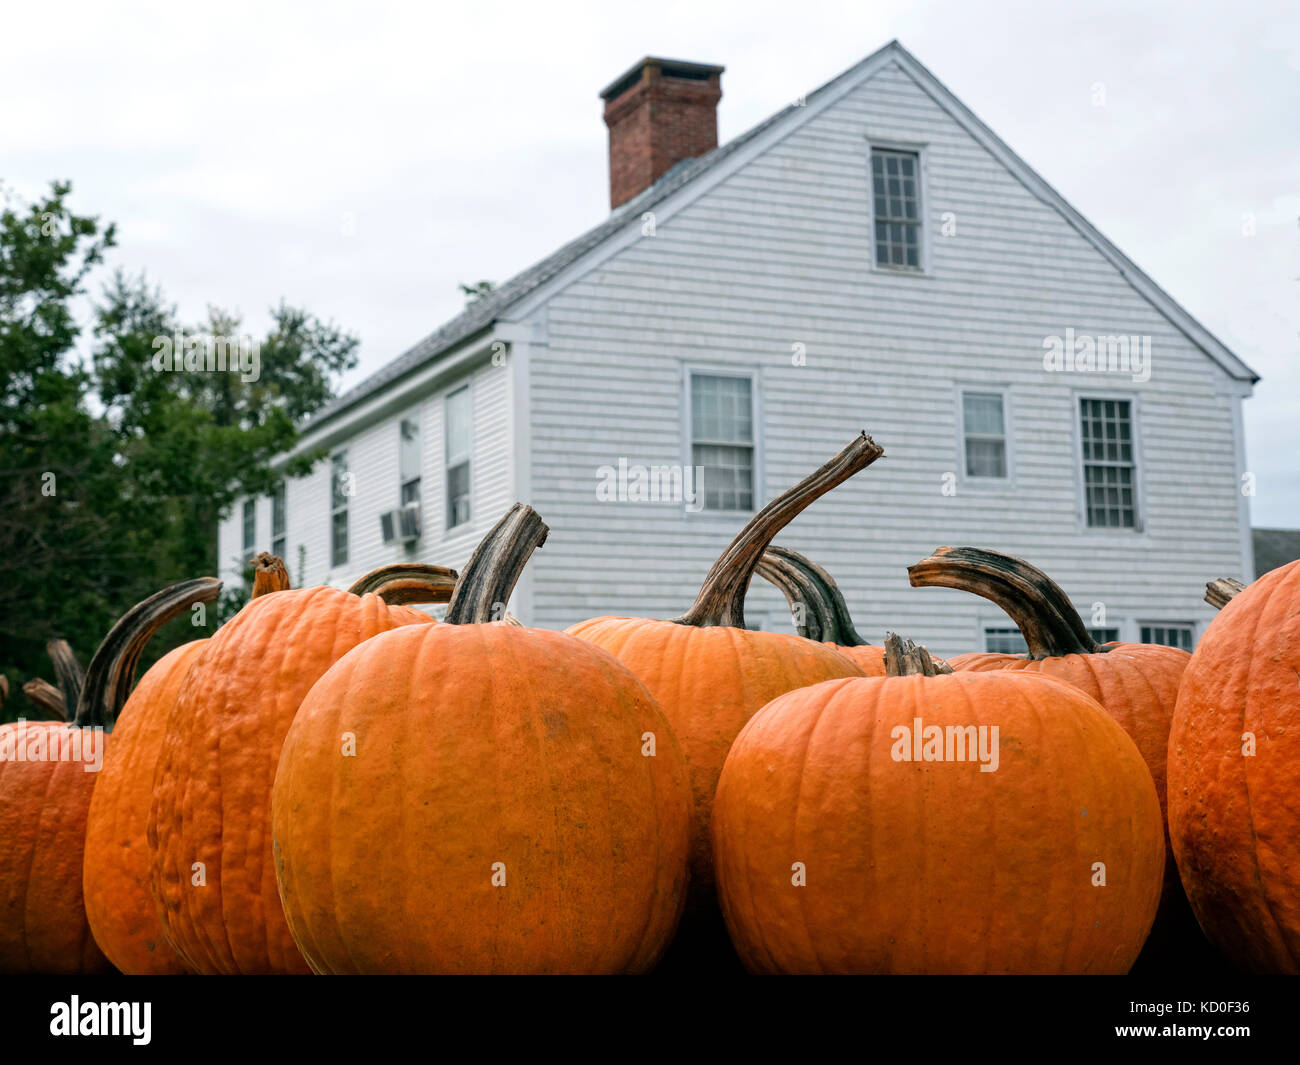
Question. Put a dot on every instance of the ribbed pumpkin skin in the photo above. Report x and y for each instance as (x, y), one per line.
(1235, 819)
(43, 808)
(936, 867)
(709, 682)
(1136, 683)
(119, 904)
(479, 744)
(869, 658)
(212, 794)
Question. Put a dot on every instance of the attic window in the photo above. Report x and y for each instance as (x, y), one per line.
(896, 208)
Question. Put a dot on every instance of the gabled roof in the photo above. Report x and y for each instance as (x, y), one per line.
(479, 316)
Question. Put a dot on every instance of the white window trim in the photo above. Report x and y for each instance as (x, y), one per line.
(922, 150)
(688, 432)
(1008, 433)
(466, 383)
(1140, 529)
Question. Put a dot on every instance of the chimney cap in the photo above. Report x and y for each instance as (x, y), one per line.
(672, 68)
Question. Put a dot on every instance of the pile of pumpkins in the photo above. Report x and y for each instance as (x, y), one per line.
(337, 783)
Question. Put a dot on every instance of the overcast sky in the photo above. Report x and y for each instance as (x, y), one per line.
(362, 159)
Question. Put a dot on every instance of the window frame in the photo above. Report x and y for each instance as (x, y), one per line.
(924, 250)
(752, 373)
(248, 517)
(466, 386)
(1164, 623)
(414, 417)
(343, 509)
(1008, 436)
(1120, 533)
(280, 494)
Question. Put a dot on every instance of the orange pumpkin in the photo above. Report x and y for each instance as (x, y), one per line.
(709, 672)
(857, 831)
(211, 872)
(818, 607)
(115, 873)
(1136, 683)
(478, 798)
(1234, 816)
(48, 771)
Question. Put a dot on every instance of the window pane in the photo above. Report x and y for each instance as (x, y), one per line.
(408, 455)
(986, 458)
(339, 539)
(1168, 635)
(339, 470)
(1006, 641)
(458, 426)
(457, 495)
(250, 524)
(722, 409)
(1105, 635)
(1108, 465)
(727, 477)
(982, 412)
(277, 512)
(896, 202)
(411, 491)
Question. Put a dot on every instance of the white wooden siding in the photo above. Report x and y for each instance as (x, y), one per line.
(780, 253)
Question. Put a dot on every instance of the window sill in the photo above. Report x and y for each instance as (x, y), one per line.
(901, 271)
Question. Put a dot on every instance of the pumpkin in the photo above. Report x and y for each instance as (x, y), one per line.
(852, 834)
(710, 673)
(818, 606)
(115, 872)
(475, 797)
(47, 775)
(1137, 684)
(211, 872)
(1234, 815)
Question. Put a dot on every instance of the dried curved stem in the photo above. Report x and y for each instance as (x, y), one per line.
(494, 569)
(112, 671)
(1219, 592)
(68, 673)
(905, 658)
(408, 582)
(816, 604)
(1041, 610)
(269, 575)
(721, 601)
(48, 698)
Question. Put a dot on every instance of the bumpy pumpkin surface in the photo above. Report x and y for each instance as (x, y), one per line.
(708, 672)
(480, 798)
(211, 868)
(115, 876)
(43, 805)
(1234, 808)
(45, 799)
(935, 866)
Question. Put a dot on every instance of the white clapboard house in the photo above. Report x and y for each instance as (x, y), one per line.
(872, 256)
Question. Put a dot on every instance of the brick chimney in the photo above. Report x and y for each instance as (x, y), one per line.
(658, 113)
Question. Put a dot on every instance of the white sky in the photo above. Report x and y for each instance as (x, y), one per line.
(231, 142)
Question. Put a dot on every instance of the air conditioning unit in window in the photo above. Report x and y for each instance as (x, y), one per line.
(401, 525)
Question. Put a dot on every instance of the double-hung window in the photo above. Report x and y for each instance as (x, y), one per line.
(1169, 635)
(340, 491)
(459, 434)
(1106, 434)
(408, 460)
(278, 520)
(722, 439)
(896, 208)
(984, 435)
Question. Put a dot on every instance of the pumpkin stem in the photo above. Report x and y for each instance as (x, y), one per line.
(408, 582)
(68, 673)
(905, 658)
(269, 575)
(48, 698)
(816, 604)
(1041, 610)
(1217, 593)
(492, 572)
(721, 601)
(112, 671)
